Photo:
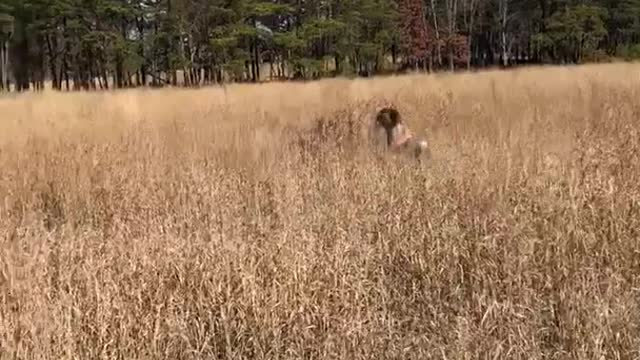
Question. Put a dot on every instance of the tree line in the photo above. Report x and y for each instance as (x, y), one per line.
(101, 44)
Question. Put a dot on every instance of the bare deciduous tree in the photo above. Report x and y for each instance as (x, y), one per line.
(470, 12)
(452, 14)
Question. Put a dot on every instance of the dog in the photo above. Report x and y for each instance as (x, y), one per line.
(399, 138)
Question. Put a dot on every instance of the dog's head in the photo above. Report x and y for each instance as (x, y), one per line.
(388, 118)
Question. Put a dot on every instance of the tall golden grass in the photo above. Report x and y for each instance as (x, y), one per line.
(175, 224)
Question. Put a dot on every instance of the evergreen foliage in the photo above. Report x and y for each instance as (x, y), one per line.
(97, 44)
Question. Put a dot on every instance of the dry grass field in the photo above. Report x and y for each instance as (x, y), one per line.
(178, 224)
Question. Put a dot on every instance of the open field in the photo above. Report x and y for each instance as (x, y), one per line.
(174, 224)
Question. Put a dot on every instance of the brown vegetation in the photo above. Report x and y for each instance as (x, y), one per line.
(342, 129)
(174, 224)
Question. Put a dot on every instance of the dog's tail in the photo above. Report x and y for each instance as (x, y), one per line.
(422, 149)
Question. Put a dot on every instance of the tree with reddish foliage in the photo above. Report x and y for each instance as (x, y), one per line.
(414, 32)
(457, 48)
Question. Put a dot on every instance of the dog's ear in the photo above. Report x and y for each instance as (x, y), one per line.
(384, 119)
(388, 118)
(395, 116)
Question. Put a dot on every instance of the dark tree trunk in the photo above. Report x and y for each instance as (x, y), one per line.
(143, 66)
(119, 75)
(394, 54)
(207, 75)
(52, 47)
(256, 61)
(105, 76)
(65, 73)
(91, 64)
(20, 55)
